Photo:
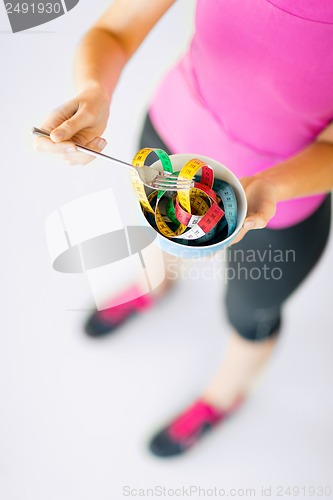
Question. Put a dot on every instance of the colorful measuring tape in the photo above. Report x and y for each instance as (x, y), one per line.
(205, 213)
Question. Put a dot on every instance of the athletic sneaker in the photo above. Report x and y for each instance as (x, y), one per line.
(108, 320)
(188, 428)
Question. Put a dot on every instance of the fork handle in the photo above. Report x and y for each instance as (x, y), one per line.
(44, 133)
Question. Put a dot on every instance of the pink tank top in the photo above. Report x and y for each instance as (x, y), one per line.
(254, 88)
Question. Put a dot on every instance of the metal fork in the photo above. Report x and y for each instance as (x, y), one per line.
(148, 176)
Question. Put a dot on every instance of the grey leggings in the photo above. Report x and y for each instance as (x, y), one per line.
(265, 267)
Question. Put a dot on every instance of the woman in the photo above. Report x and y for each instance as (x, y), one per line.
(253, 92)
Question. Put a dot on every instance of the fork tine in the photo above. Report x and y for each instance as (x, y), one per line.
(171, 186)
(173, 177)
(172, 180)
(175, 180)
(180, 184)
(167, 175)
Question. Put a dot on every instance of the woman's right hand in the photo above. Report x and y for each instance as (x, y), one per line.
(81, 120)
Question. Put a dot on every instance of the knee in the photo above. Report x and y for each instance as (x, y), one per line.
(256, 324)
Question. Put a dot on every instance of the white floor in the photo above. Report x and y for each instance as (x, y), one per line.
(76, 413)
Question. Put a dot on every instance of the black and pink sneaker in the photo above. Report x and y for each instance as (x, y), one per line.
(113, 316)
(188, 428)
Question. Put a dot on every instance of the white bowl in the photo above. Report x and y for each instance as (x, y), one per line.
(220, 172)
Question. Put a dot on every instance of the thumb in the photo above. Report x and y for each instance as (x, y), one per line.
(68, 128)
(254, 221)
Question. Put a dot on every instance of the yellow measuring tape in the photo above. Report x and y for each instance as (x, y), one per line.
(185, 215)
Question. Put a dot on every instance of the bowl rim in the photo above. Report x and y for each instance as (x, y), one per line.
(241, 193)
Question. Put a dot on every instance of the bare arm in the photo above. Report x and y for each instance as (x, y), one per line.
(100, 58)
(307, 173)
(113, 39)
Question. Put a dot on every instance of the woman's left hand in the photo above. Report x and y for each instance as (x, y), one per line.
(261, 194)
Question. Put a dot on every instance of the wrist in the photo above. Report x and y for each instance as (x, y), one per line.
(307, 173)
(272, 177)
(95, 87)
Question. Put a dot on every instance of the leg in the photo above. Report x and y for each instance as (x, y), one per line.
(256, 291)
(255, 297)
(243, 362)
(123, 307)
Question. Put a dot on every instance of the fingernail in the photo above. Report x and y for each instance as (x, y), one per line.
(101, 143)
(58, 136)
(249, 224)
